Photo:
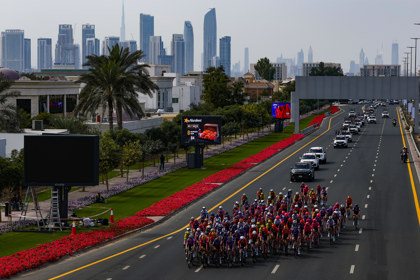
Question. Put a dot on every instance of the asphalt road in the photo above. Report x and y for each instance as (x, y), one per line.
(387, 246)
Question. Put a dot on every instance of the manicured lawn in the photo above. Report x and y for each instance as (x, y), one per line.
(46, 194)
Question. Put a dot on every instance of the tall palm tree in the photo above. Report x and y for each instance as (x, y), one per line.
(9, 117)
(114, 82)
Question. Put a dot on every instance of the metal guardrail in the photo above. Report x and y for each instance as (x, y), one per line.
(410, 132)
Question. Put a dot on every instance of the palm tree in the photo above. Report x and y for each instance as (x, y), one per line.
(9, 118)
(113, 82)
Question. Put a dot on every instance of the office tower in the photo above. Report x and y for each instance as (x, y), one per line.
(178, 52)
(64, 49)
(92, 47)
(88, 32)
(310, 55)
(300, 58)
(77, 64)
(155, 49)
(122, 29)
(130, 44)
(27, 63)
(246, 61)
(210, 38)
(215, 61)
(166, 60)
(394, 55)
(44, 53)
(353, 67)
(147, 29)
(224, 45)
(189, 46)
(379, 59)
(366, 61)
(13, 52)
(108, 43)
(361, 58)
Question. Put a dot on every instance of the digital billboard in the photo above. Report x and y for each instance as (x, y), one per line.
(201, 130)
(280, 110)
(61, 160)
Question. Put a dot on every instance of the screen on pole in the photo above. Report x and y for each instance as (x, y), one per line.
(280, 110)
(201, 130)
(61, 160)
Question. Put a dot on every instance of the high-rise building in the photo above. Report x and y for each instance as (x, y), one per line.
(380, 71)
(224, 49)
(155, 49)
(189, 46)
(108, 43)
(77, 64)
(27, 63)
(64, 49)
(147, 29)
(88, 32)
(92, 47)
(379, 59)
(44, 53)
(122, 29)
(178, 52)
(210, 38)
(13, 49)
(310, 55)
(300, 59)
(130, 44)
(394, 55)
(246, 61)
(361, 58)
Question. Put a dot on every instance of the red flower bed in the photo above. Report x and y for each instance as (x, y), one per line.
(317, 120)
(66, 246)
(227, 174)
(333, 109)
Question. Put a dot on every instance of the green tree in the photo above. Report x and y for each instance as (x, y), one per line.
(265, 69)
(130, 154)
(326, 71)
(109, 157)
(9, 117)
(72, 124)
(172, 132)
(237, 90)
(216, 90)
(113, 82)
(145, 150)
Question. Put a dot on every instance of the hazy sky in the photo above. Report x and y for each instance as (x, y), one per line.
(336, 29)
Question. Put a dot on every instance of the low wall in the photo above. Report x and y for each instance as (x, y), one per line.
(138, 126)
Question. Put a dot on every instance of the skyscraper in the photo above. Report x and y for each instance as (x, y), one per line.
(13, 49)
(300, 59)
(310, 55)
(77, 56)
(394, 55)
(178, 52)
(147, 29)
(64, 49)
(88, 31)
(109, 42)
(189, 46)
(122, 29)
(155, 49)
(44, 53)
(27, 63)
(246, 61)
(225, 60)
(210, 38)
(92, 46)
(361, 58)
(130, 44)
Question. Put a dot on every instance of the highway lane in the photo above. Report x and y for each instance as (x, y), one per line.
(348, 171)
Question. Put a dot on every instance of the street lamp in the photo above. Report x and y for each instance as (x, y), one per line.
(406, 63)
(415, 55)
(411, 60)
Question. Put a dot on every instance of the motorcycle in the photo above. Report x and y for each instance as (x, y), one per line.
(394, 123)
(404, 157)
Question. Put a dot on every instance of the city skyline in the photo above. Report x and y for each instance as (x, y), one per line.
(343, 30)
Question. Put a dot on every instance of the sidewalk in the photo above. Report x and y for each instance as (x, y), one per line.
(170, 166)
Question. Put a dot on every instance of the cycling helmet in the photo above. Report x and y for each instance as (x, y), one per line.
(316, 210)
(243, 194)
(318, 186)
(290, 220)
(318, 215)
(188, 229)
(191, 237)
(192, 218)
(269, 197)
(329, 218)
(295, 221)
(290, 190)
(349, 197)
(342, 205)
(269, 221)
(198, 229)
(254, 233)
(220, 207)
(316, 206)
(271, 190)
(280, 193)
(253, 226)
(277, 217)
(357, 205)
(204, 207)
(264, 228)
(297, 193)
(242, 237)
(260, 189)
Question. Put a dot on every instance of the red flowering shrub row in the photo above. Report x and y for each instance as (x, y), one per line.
(333, 109)
(66, 246)
(317, 120)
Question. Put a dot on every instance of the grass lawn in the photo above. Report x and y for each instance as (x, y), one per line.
(46, 194)
(128, 203)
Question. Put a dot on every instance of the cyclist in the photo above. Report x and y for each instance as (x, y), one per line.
(307, 233)
(356, 212)
(243, 247)
(331, 228)
(324, 193)
(394, 122)
(349, 204)
(260, 194)
(302, 187)
(190, 245)
(187, 235)
(296, 235)
(253, 240)
(204, 213)
(272, 193)
(244, 199)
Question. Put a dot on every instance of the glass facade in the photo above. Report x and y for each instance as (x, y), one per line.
(210, 38)
(189, 46)
(44, 53)
(13, 52)
(88, 32)
(147, 29)
(225, 52)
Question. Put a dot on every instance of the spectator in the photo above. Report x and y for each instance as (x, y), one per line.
(162, 162)
(99, 198)
(15, 203)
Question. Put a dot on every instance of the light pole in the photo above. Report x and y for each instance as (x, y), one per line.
(406, 63)
(415, 55)
(411, 60)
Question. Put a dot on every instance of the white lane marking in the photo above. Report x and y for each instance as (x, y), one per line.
(284, 188)
(142, 256)
(368, 196)
(370, 188)
(360, 231)
(275, 269)
(363, 217)
(338, 170)
(157, 246)
(371, 181)
(331, 181)
(376, 160)
(341, 165)
(335, 175)
(170, 237)
(108, 278)
(366, 205)
(347, 157)
(348, 154)
(376, 156)
(352, 269)
(356, 249)
(373, 175)
(344, 160)
(198, 269)
(374, 165)
(327, 188)
(126, 267)
(373, 169)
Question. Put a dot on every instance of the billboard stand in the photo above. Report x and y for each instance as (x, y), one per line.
(31, 193)
(196, 159)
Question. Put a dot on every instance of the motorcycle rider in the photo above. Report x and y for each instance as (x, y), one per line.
(404, 154)
(394, 122)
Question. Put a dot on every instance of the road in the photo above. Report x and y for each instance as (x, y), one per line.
(387, 246)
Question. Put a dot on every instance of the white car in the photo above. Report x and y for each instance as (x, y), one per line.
(340, 141)
(385, 114)
(352, 114)
(319, 152)
(348, 135)
(371, 119)
(311, 158)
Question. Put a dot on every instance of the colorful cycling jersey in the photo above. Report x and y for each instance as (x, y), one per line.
(230, 243)
(242, 243)
(349, 202)
(356, 210)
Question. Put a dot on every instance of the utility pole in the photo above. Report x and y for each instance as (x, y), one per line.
(415, 55)
(411, 60)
